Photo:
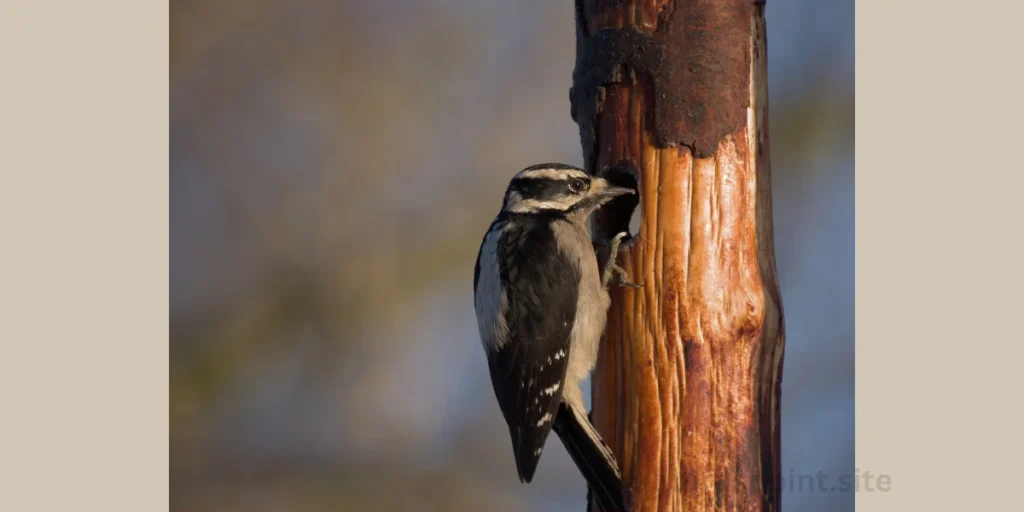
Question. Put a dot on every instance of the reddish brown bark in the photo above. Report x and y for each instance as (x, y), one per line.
(687, 385)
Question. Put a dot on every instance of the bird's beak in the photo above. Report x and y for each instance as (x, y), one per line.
(607, 191)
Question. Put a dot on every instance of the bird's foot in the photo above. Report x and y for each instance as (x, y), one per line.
(611, 268)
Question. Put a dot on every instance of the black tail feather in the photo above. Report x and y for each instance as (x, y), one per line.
(592, 457)
(527, 452)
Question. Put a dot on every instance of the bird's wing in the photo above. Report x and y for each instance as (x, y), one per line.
(528, 366)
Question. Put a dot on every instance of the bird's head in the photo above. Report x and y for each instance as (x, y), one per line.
(558, 188)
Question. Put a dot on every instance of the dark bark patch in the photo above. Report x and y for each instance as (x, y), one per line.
(698, 62)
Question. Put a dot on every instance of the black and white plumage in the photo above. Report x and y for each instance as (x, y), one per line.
(541, 305)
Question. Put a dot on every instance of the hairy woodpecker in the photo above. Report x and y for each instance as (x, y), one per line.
(541, 306)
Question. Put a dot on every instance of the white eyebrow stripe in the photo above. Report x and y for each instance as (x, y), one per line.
(552, 174)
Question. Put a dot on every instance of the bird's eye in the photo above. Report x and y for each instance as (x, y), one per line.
(577, 185)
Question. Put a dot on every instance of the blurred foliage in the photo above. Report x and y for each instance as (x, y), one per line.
(333, 167)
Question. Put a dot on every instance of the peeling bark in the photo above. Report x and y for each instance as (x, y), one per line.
(687, 386)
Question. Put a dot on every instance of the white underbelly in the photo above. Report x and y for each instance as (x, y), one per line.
(591, 314)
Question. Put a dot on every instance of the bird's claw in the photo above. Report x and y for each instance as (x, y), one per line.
(623, 279)
(611, 268)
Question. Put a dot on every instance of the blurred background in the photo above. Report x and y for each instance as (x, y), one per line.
(334, 166)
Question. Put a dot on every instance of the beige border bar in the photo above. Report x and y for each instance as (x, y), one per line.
(84, 255)
(938, 259)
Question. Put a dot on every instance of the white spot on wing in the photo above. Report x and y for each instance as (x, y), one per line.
(544, 419)
(551, 391)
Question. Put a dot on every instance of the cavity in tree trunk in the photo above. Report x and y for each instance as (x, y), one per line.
(671, 97)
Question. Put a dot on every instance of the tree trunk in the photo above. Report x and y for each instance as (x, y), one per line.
(671, 96)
